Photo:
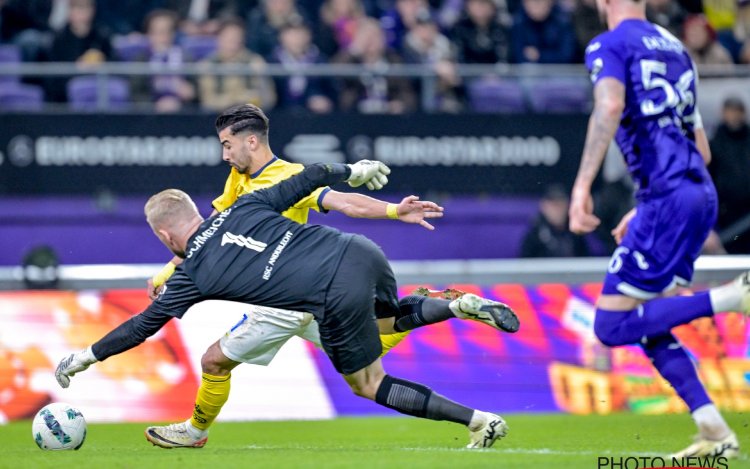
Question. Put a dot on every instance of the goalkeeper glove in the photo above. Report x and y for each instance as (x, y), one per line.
(373, 174)
(72, 364)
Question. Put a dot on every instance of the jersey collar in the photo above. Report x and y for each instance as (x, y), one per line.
(257, 173)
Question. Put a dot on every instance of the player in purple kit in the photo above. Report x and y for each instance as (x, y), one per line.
(645, 97)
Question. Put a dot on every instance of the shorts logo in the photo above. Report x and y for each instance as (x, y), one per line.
(246, 242)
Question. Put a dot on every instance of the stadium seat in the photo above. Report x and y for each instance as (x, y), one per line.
(496, 96)
(20, 97)
(198, 47)
(83, 93)
(9, 56)
(560, 96)
(130, 48)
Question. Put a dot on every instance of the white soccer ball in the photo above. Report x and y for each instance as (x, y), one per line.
(59, 426)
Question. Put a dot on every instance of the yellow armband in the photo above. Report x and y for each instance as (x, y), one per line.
(392, 211)
(164, 274)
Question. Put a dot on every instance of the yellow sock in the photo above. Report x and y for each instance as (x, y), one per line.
(212, 395)
(391, 340)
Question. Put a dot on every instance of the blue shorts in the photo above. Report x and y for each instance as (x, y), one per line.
(662, 242)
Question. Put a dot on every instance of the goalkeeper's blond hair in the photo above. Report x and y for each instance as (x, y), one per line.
(169, 208)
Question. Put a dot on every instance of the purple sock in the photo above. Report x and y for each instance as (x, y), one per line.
(675, 366)
(653, 318)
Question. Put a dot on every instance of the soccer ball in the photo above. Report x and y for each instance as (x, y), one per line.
(59, 426)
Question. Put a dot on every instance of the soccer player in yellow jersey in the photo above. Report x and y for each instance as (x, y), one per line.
(243, 133)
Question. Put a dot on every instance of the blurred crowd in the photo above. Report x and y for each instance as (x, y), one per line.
(293, 34)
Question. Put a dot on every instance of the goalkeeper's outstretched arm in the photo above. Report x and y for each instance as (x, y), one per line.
(127, 335)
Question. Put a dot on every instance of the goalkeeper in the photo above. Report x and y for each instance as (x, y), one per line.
(350, 287)
(243, 132)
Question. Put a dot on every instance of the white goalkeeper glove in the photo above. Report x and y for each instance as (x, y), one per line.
(373, 174)
(72, 364)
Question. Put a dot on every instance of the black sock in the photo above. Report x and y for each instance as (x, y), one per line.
(416, 311)
(420, 401)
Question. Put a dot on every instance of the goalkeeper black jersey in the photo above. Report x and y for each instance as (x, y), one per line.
(248, 253)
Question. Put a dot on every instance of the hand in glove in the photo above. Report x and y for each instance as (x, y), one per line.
(72, 364)
(373, 174)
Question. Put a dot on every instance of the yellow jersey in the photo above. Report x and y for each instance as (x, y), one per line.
(269, 175)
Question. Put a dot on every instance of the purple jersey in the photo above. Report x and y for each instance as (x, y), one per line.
(656, 129)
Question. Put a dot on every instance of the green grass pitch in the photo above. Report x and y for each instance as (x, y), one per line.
(534, 441)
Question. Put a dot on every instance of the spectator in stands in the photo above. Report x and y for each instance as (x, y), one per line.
(338, 24)
(168, 92)
(726, 18)
(425, 45)
(700, 40)
(730, 167)
(667, 14)
(30, 24)
(549, 235)
(264, 22)
(206, 17)
(542, 33)
(586, 23)
(372, 92)
(479, 37)
(294, 52)
(397, 21)
(123, 17)
(79, 41)
(219, 92)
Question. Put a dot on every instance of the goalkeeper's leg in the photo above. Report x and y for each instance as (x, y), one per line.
(417, 400)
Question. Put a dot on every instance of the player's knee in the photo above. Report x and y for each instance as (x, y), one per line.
(367, 387)
(368, 390)
(209, 363)
(213, 362)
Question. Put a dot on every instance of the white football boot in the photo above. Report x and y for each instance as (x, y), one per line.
(493, 429)
(175, 435)
(493, 313)
(728, 448)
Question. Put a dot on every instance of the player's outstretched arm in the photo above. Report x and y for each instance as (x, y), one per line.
(609, 101)
(290, 191)
(127, 335)
(173, 302)
(409, 210)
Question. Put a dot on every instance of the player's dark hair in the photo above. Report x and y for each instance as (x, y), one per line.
(244, 118)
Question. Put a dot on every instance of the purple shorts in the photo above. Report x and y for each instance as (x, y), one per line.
(663, 241)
